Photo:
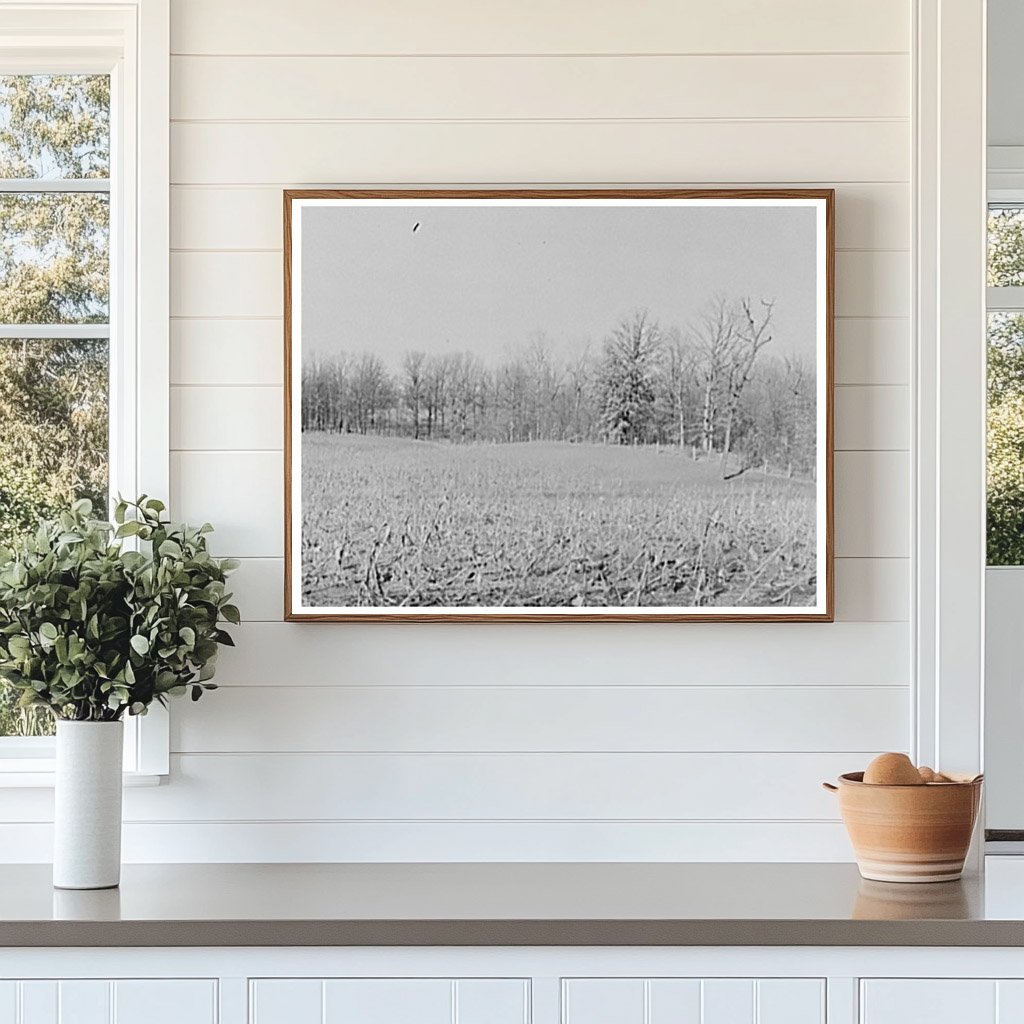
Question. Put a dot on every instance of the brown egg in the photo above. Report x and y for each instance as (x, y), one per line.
(892, 770)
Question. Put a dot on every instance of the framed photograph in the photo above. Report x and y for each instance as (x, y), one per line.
(558, 405)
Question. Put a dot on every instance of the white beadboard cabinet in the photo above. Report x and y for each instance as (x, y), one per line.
(103, 1001)
(942, 1001)
(693, 1001)
(389, 1001)
(514, 985)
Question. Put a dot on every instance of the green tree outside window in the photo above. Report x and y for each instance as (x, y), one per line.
(54, 271)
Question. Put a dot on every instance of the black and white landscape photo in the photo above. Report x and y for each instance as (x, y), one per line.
(604, 406)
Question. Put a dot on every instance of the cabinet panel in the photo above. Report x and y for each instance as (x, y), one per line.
(786, 1001)
(1010, 1002)
(942, 1001)
(286, 1001)
(100, 1001)
(492, 1002)
(727, 1002)
(674, 1001)
(388, 1001)
(935, 1001)
(8, 1002)
(39, 1003)
(693, 1001)
(165, 1002)
(84, 1002)
(603, 1001)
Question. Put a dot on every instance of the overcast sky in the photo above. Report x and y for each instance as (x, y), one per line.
(484, 279)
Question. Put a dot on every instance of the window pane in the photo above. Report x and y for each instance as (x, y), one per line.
(53, 449)
(54, 126)
(1006, 439)
(54, 258)
(54, 269)
(1005, 246)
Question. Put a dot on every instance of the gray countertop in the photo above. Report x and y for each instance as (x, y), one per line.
(501, 905)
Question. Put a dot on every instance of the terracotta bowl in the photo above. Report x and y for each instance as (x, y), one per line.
(909, 833)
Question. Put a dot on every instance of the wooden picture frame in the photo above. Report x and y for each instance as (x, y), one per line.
(353, 256)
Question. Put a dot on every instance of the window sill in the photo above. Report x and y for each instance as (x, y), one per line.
(43, 778)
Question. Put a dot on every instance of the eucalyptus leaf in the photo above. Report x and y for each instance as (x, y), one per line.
(92, 631)
(170, 549)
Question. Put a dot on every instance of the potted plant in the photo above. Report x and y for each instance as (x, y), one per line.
(99, 620)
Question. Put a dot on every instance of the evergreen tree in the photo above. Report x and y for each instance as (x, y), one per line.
(628, 379)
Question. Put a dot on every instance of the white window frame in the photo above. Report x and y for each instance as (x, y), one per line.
(130, 41)
(949, 395)
(1005, 586)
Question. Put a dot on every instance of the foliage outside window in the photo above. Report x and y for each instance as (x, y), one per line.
(1005, 487)
(54, 308)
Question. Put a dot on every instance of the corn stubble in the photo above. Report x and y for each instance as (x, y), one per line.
(393, 522)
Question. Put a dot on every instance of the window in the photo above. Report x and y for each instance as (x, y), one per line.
(84, 126)
(54, 309)
(1005, 486)
(1004, 578)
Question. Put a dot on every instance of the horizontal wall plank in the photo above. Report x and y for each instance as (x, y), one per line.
(552, 718)
(240, 418)
(227, 352)
(872, 504)
(867, 589)
(208, 284)
(538, 88)
(239, 492)
(872, 418)
(258, 586)
(375, 787)
(456, 842)
(233, 284)
(242, 217)
(869, 216)
(869, 350)
(577, 654)
(582, 151)
(461, 26)
(872, 350)
(873, 284)
(872, 589)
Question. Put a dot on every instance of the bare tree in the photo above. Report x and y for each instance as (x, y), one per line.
(371, 392)
(580, 374)
(749, 337)
(679, 372)
(714, 336)
(712, 385)
(414, 385)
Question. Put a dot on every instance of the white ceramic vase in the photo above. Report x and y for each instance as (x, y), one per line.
(87, 808)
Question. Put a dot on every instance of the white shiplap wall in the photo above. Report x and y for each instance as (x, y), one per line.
(691, 741)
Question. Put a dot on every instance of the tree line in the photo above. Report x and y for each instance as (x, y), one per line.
(715, 388)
